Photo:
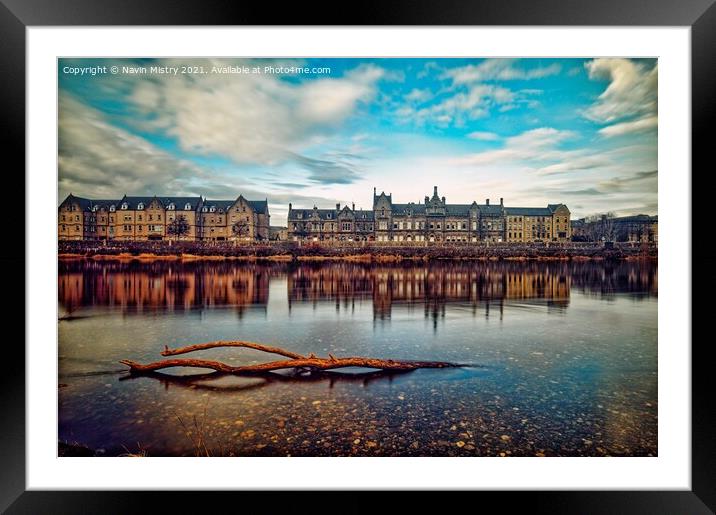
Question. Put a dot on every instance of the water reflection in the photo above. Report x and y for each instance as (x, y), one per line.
(136, 287)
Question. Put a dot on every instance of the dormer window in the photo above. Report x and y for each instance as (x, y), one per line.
(212, 209)
(140, 205)
(111, 208)
(187, 207)
(94, 208)
(125, 206)
(170, 207)
(204, 209)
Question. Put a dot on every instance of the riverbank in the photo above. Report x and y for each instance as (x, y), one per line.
(287, 252)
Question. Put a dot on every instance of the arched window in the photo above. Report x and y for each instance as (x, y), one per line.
(125, 206)
(111, 208)
(212, 209)
(187, 207)
(170, 207)
(140, 205)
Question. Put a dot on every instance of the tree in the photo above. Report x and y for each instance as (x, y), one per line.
(600, 227)
(241, 228)
(609, 228)
(178, 227)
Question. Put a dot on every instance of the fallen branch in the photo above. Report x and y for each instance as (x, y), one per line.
(311, 363)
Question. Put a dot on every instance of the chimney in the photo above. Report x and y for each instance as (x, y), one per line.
(487, 201)
(443, 200)
(427, 199)
(501, 201)
(338, 206)
(353, 206)
(289, 206)
(435, 191)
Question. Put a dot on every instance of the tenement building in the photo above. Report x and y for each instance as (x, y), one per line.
(163, 218)
(433, 220)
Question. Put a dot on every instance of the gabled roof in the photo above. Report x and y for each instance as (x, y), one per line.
(222, 205)
(180, 202)
(105, 203)
(457, 209)
(490, 209)
(364, 215)
(554, 207)
(84, 203)
(260, 206)
(404, 209)
(528, 211)
(306, 214)
(133, 202)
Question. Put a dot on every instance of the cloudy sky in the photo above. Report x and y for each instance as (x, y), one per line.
(533, 131)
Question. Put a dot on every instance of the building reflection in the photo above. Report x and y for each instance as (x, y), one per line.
(433, 286)
(481, 287)
(136, 287)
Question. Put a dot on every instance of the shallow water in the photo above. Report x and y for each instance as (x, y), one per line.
(563, 358)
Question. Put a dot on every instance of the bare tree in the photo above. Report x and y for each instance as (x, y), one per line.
(608, 227)
(178, 227)
(241, 228)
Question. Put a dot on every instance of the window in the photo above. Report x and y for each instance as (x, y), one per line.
(140, 206)
(111, 208)
(139, 217)
(212, 209)
(187, 207)
(170, 207)
(125, 206)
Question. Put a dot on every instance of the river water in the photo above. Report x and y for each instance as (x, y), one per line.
(562, 358)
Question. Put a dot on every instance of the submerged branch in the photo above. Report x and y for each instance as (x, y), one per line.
(310, 363)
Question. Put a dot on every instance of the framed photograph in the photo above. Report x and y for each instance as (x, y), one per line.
(397, 256)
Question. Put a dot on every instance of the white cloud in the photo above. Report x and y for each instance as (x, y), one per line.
(419, 95)
(253, 119)
(483, 136)
(498, 69)
(100, 160)
(536, 145)
(641, 125)
(632, 91)
(459, 108)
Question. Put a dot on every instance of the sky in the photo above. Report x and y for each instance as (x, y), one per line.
(582, 132)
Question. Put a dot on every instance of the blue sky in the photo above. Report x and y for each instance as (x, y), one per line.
(531, 131)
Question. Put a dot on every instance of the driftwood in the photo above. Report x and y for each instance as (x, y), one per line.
(297, 361)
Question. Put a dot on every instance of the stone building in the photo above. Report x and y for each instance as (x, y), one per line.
(431, 221)
(163, 218)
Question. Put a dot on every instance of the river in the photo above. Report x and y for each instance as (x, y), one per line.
(562, 358)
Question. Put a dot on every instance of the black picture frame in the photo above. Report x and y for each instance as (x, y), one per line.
(17, 15)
